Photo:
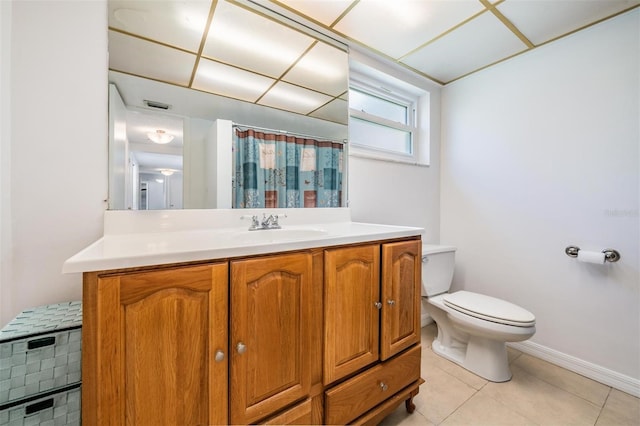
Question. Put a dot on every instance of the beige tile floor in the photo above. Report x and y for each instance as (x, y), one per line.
(539, 393)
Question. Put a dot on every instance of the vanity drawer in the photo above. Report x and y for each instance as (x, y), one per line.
(368, 389)
(298, 415)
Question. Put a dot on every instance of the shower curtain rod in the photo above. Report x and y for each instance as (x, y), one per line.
(286, 132)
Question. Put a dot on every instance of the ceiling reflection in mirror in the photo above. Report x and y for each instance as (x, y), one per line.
(178, 66)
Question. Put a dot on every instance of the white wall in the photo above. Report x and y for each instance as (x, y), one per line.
(57, 144)
(539, 153)
(397, 193)
(6, 299)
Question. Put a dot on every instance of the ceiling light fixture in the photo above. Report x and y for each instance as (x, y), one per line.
(160, 136)
(166, 172)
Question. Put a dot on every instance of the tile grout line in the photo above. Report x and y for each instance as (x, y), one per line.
(475, 391)
(461, 405)
(603, 405)
(570, 392)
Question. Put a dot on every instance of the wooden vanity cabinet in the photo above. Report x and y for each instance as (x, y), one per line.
(372, 330)
(318, 336)
(151, 347)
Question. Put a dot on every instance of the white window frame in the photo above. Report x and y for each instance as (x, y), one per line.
(388, 92)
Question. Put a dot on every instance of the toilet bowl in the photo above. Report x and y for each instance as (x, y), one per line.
(472, 328)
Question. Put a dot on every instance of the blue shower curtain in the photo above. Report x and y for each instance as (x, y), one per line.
(279, 170)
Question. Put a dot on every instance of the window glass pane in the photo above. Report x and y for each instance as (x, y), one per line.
(377, 136)
(377, 106)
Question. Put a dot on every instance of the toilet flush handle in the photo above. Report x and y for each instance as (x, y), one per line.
(425, 259)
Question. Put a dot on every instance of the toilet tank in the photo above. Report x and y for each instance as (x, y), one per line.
(438, 263)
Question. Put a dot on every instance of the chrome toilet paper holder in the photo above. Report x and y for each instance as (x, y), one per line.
(610, 255)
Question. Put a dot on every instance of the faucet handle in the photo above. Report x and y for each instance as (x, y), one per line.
(275, 219)
(255, 224)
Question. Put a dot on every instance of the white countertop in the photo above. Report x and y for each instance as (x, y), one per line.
(184, 236)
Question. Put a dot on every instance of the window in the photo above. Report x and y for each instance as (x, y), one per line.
(383, 120)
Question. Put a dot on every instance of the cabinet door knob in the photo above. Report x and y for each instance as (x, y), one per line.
(219, 355)
(383, 386)
(377, 305)
(391, 302)
(241, 348)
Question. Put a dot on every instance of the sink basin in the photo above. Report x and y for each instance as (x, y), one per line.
(278, 235)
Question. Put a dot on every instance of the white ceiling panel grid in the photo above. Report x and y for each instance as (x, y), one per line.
(325, 12)
(293, 98)
(228, 81)
(247, 40)
(146, 59)
(397, 27)
(177, 23)
(487, 41)
(541, 21)
(322, 68)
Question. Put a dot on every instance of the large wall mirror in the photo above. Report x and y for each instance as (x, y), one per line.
(177, 69)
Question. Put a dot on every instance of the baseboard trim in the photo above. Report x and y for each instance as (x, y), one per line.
(600, 374)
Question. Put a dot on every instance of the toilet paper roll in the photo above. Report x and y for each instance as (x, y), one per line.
(591, 257)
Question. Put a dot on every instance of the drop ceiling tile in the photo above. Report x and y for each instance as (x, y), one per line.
(480, 42)
(396, 28)
(293, 98)
(324, 68)
(176, 23)
(247, 40)
(140, 57)
(225, 80)
(538, 25)
(325, 12)
(336, 111)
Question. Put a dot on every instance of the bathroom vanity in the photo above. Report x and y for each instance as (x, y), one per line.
(185, 324)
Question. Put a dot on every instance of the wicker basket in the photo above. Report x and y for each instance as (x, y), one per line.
(58, 408)
(40, 351)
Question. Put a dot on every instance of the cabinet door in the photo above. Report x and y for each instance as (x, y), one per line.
(352, 289)
(270, 334)
(153, 360)
(401, 284)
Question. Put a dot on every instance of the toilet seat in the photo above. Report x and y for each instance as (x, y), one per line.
(489, 308)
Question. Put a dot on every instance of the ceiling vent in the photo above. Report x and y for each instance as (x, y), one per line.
(157, 105)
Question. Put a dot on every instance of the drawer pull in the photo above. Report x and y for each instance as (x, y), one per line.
(219, 355)
(391, 302)
(241, 348)
(377, 305)
(383, 386)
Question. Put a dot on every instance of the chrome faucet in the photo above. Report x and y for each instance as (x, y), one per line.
(267, 222)
(270, 222)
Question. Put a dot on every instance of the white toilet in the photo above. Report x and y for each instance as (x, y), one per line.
(472, 328)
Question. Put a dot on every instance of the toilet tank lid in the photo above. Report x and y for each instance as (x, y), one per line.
(433, 248)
